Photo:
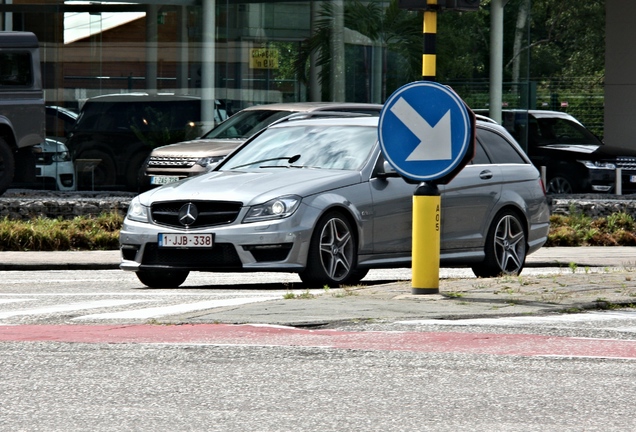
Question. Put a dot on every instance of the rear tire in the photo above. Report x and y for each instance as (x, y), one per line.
(162, 278)
(333, 253)
(7, 166)
(505, 247)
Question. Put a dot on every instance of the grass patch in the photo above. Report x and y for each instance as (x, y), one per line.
(306, 295)
(45, 234)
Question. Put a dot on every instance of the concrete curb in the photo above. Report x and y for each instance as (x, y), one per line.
(610, 256)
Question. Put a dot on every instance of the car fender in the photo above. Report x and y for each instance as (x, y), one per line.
(510, 199)
(359, 212)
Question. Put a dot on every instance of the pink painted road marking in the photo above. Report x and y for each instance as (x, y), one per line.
(223, 334)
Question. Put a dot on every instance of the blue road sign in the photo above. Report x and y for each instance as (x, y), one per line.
(425, 131)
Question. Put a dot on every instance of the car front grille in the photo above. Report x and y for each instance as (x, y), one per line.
(626, 163)
(208, 213)
(222, 256)
(172, 161)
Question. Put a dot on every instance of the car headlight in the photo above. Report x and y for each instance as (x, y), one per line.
(277, 208)
(63, 156)
(137, 211)
(209, 162)
(599, 165)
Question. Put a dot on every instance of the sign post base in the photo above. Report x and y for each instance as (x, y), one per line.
(426, 239)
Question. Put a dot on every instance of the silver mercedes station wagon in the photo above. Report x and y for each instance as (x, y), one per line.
(314, 196)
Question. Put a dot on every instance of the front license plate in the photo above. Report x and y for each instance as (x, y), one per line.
(632, 179)
(161, 180)
(186, 240)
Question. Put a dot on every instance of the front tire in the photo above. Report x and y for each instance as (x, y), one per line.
(333, 253)
(561, 184)
(505, 247)
(162, 278)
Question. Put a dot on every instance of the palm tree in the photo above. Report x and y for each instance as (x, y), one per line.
(397, 32)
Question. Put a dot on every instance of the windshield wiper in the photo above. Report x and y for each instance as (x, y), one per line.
(290, 159)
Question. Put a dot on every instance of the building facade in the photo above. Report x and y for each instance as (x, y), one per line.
(238, 52)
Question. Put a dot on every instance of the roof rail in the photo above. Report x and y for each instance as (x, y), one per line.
(319, 114)
(484, 118)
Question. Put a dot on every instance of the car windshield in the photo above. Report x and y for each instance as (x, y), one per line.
(244, 124)
(543, 131)
(328, 147)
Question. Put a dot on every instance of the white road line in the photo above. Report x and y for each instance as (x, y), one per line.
(565, 318)
(15, 300)
(157, 294)
(68, 307)
(176, 309)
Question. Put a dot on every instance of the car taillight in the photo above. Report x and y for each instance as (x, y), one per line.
(542, 186)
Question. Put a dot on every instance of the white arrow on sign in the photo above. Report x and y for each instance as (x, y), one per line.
(435, 141)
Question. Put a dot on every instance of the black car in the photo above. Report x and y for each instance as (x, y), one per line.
(574, 158)
(114, 134)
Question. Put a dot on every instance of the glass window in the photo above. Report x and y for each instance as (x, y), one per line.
(499, 149)
(15, 69)
(559, 131)
(258, 52)
(245, 124)
(481, 158)
(331, 147)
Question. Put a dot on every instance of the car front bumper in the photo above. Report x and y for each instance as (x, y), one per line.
(278, 245)
(61, 174)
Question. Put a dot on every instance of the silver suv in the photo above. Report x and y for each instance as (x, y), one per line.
(175, 162)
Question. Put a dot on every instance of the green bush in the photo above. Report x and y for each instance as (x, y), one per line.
(577, 229)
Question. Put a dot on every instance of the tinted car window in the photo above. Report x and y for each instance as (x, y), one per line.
(245, 124)
(558, 130)
(105, 116)
(498, 148)
(481, 158)
(59, 121)
(15, 69)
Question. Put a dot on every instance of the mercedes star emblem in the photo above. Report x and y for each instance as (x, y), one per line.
(188, 214)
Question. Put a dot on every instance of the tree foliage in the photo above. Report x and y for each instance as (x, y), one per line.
(386, 25)
(556, 39)
(562, 39)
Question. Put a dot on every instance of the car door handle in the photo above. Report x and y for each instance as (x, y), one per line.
(485, 175)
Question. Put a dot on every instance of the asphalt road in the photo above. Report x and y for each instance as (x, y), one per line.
(503, 360)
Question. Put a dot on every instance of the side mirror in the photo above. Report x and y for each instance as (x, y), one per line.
(387, 171)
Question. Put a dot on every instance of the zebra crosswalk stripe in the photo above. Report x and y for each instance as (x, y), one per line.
(176, 309)
(68, 307)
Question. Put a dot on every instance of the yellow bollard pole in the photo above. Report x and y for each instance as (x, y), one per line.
(426, 239)
(429, 31)
(426, 199)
